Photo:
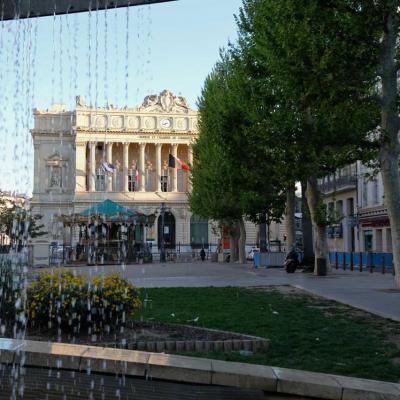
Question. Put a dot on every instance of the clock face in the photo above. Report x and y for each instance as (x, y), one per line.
(166, 123)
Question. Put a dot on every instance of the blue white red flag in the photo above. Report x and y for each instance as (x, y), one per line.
(107, 167)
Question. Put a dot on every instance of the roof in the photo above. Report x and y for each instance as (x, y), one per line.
(109, 208)
(18, 9)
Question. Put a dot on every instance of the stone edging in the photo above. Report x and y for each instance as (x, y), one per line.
(200, 346)
(272, 380)
(238, 342)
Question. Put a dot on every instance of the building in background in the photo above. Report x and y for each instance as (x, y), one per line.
(375, 233)
(357, 193)
(340, 196)
(86, 156)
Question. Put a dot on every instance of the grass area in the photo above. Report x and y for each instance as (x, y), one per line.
(306, 332)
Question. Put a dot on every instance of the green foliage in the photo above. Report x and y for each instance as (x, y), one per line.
(305, 332)
(232, 172)
(12, 295)
(320, 58)
(70, 301)
(18, 223)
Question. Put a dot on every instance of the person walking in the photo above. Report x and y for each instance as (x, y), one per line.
(202, 254)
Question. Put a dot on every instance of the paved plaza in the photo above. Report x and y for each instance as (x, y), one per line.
(370, 292)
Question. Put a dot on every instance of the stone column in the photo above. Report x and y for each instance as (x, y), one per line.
(38, 184)
(92, 161)
(190, 161)
(125, 166)
(158, 167)
(175, 170)
(80, 167)
(142, 170)
(109, 160)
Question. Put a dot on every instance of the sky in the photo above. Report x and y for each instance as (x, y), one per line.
(115, 57)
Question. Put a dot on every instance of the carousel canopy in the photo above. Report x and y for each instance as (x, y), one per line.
(109, 208)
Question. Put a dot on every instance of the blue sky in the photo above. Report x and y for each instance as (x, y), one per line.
(172, 45)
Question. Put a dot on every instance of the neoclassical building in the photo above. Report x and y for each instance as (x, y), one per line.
(72, 147)
(88, 155)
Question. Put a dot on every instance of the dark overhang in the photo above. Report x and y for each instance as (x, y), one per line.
(17, 9)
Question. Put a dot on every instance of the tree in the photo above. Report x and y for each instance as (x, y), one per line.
(323, 82)
(230, 173)
(389, 150)
(18, 223)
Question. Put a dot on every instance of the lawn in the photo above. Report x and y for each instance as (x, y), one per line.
(306, 332)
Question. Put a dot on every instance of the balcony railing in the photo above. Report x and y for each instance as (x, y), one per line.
(338, 183)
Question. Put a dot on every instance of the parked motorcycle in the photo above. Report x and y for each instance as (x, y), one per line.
(291, 261)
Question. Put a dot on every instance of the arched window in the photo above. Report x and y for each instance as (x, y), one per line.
(198, 232)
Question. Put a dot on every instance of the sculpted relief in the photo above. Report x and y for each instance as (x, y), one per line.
(165, 102)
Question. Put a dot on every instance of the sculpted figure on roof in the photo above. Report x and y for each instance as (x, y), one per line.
(165, 102)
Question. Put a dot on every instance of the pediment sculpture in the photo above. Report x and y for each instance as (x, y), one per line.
(166, 101)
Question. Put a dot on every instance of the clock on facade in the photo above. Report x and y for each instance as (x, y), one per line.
(166, 123)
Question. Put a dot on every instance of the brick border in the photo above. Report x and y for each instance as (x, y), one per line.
(200, 346)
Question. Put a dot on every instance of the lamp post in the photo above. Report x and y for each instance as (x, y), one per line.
(162, 244)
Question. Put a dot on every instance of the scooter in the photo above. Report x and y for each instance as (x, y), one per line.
(291, 262)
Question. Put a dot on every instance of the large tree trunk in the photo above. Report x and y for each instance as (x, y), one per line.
(263, 237)
(234, 243)
(242, 242)
(306, 227)
(314, 201)
(289, 217)
(390, 148)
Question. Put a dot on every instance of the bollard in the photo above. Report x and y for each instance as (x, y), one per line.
(383, 264)
(371, 267)
(360, 263)
(336, 260)
(344, 261)
(351, 262)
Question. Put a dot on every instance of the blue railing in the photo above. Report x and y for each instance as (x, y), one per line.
(361, 260)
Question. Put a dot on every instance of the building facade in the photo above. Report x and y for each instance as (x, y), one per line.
(375, 232)
(341, 198)
(356, 192)
(86, 156)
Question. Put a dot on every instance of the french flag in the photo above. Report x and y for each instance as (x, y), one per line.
(173, 161)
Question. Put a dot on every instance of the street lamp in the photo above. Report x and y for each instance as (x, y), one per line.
(162, 244)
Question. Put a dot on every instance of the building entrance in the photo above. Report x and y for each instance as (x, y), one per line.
(169, 231)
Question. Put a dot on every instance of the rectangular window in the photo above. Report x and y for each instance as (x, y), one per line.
(164, 183)
(368, 238)
(100, 183)
(131, 183)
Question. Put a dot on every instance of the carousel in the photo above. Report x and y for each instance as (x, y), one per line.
(107, 233)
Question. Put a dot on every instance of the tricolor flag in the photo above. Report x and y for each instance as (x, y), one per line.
(173, 160)
(107, 167)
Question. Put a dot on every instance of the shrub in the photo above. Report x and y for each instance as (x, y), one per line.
(111, 299)
(71, 302)
(12, 296)
(54, 299)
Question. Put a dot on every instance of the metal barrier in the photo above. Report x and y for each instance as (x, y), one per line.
(362, 261)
